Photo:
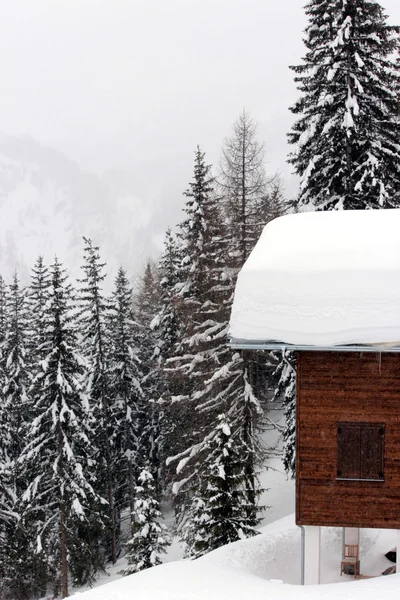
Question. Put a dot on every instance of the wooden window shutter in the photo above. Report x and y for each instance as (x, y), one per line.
(372, 444)
(349, 456)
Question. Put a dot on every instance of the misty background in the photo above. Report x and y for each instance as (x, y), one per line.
(102, 105)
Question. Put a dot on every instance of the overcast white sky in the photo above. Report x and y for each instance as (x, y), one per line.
(136, 84)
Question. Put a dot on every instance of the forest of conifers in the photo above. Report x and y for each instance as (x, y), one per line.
(110, 404)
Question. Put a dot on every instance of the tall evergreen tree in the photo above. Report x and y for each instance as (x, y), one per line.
(3, 333)
(3, 310)
(346, 135)
(15, 412)
(147, 304)
(192, 287)
(60, 498)
(96, 345)
(167, 327)
(216, 377)
(125, 377)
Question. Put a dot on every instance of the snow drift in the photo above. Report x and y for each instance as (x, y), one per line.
(322, 279)
(262, 568)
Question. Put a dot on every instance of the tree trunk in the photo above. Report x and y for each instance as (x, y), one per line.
(64, 561)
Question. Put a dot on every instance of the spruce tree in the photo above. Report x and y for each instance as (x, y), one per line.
(60, 499)
(125, 377)
(346, 134)
(219, 511)
(216, 378)
(37, 298)
(166, 323)
(147, 304)
(96, 345)
(285, 390)
(167, 327)
(15, 414)
(149, 536)
(15, 374)
(192, 287)
(3, 310)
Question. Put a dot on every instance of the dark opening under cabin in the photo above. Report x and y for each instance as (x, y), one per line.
(327, 287)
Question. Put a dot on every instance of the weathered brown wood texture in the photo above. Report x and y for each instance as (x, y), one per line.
(335, 387)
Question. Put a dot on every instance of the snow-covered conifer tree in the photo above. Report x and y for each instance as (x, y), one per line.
(125, 379)
(166, 323)
(167, 326)
(345, 139)
(149, 537)
(15, 404)
(285, 390)
(217, 378)
(14, 417)
(147, 304)
(191, 291)
(219, 509)
(60, 499)
(3, 310)
(96, 345)
(36, 300)
(3, 332)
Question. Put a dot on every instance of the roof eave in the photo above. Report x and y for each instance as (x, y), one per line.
(238, 344)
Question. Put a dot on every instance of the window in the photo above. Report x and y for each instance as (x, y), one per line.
(360, 449)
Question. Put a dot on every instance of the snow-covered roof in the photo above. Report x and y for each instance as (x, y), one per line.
(322, 279)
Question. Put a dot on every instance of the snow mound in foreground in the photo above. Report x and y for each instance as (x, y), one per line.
(322, 279)
(253, 569)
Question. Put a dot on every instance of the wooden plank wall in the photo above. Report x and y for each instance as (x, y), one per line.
(341, 386)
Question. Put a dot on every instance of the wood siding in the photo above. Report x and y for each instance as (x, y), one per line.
(334, 387)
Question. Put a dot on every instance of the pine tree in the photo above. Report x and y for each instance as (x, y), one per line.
(149, 536)
(15, 412)
(167, 323)
(37, 298)
(147, 304)
(3, 333)
(346, 134)
(218, 513)
(60, 499)
(96, 345)
(192, 290)
(125, 377)
(167, 327)
(217, 380)
(7, 498)
(285, 374)
(3, 310)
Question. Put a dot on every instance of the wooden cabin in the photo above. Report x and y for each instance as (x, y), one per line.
(327, 287)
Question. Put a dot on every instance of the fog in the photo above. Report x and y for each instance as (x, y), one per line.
(129, 85)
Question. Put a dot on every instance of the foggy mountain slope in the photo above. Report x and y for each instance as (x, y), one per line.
(47, 204)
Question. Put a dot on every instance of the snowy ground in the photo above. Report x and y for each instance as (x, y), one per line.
(261, 567)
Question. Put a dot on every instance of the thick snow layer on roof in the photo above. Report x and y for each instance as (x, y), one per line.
(322, 279)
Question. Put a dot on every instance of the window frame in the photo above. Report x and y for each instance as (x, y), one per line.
(360, 426)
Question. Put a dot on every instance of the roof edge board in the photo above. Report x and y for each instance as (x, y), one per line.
(272, 345)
